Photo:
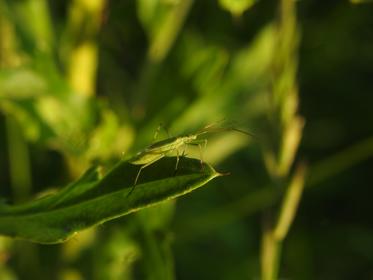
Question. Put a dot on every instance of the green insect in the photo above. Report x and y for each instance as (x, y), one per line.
(160, 149)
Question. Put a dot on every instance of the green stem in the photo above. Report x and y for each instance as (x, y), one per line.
(287, 125)
(290, 204)
(274, 233)
(19, 161)
(270, 252)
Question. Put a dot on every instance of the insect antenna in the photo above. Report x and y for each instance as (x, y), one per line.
(214, 128)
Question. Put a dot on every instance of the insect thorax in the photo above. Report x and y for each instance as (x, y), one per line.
(189, 138)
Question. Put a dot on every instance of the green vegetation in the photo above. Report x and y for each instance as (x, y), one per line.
(92, 200)
(85, 84)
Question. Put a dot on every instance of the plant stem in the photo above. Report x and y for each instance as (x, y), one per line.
(274, 233)
(270, 250)
(290, 204)
(284, 138)
(19, 161)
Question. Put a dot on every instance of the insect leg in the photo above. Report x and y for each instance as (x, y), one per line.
(177, 161)
(160, 126)
(141, 168)
(198, 143)
(184, 151)
(157, 132)
(200, 151)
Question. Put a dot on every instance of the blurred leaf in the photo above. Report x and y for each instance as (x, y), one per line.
(205, 64)
(33, 126)
(33, 24)
(162, 21)
(117, 253)
(148, 13)
(50, 113)
(21, 84)
(246, 74)
(62, 122)
(90, 201)
(156, 240)
(252, 62)
(158, 217)
(109, 138)
(236, 7)
(153, 13)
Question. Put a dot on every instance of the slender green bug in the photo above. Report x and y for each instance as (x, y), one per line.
(160, 149)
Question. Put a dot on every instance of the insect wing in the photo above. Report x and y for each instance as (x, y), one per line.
(146, 157)
(165, 146)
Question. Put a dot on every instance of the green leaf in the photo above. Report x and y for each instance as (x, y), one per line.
(236, 7)
(93, 200)
(246, 73)
(21, 84)
(152, 14)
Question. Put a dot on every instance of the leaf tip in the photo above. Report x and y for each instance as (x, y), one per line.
(221, 174)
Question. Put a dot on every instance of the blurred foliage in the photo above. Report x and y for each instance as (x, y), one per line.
(85, 81)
